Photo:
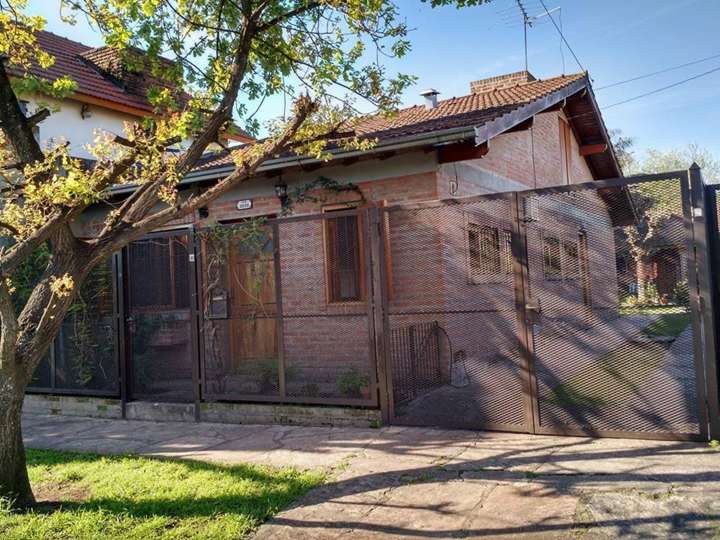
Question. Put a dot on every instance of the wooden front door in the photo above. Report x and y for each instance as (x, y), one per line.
(252, 303)
(240, 349)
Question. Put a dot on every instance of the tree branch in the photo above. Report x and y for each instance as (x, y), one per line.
(119, 237)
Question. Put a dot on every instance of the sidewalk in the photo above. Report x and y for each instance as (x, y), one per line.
(423, 483)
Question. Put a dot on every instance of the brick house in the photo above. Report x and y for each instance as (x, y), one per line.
(510, 133)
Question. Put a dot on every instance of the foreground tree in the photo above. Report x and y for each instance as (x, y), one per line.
(320, 54)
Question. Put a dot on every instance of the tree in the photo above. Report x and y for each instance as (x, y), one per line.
(656, 203)
(623, 147)
(680, 159)
(321, 54)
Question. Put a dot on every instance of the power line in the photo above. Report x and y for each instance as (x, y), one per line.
(673, 85)
(658, 72)
(542, 2)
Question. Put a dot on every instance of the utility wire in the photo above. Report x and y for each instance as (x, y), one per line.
(658, 72)
(561, 34)
(673, 85)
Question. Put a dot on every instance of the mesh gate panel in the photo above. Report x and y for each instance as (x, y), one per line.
(454, 353)
(84, 357)
(612, 337)
(160, 325)
(240, 357)
(326, 332)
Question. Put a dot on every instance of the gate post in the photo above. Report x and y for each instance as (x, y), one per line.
(701, 244)
(525, 333)
(379, 306)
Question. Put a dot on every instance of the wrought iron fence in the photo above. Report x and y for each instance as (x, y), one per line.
(576, 309)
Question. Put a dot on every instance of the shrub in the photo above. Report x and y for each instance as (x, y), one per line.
(352, 382)
(681, 293)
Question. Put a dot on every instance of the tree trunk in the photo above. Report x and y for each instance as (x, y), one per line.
(644, 274)
(14, 482)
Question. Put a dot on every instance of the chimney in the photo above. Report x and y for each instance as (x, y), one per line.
(501, 82)
(430, 96)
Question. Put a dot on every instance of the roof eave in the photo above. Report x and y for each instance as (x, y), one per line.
(481, 134)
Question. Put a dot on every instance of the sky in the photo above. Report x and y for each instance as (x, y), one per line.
(614, 40)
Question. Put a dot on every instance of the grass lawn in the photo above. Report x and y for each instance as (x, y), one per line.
(618, 374)
(668, 325)
(651, 310)
(87, 496)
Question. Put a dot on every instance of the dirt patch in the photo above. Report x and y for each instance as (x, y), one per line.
(54, 494)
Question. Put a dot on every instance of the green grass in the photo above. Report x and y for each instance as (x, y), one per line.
(87, 496)
(668, 325)
(651, 310)
(617, 375)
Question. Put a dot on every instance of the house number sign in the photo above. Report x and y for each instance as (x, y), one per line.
(244, 204)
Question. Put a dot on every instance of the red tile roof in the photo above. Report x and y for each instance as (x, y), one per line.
(466, 111)
(91, 82)
(99, 74)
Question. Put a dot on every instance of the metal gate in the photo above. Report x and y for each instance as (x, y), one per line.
(581, 309)
(160, 328)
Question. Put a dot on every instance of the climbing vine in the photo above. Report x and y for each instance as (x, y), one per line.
(253, 240)
(318, 191)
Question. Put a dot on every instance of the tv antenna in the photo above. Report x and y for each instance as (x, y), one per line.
(529, 21)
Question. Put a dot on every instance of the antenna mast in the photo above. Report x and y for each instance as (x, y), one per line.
(528, 21)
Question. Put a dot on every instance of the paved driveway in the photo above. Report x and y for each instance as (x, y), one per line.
(423, 483)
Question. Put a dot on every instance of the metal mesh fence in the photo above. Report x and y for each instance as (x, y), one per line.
(83, 357)
(612, 335)
(454, 342)
(285, 314)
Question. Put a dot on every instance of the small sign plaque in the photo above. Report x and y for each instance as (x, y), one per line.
(244, 204)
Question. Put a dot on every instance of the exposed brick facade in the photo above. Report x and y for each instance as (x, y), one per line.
(428, 261)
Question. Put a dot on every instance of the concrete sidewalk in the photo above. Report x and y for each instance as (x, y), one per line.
(424, 483)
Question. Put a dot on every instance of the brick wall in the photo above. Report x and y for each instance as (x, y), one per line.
(509, 163)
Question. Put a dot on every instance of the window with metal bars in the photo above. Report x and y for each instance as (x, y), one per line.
(344, 259)
(570, 263)
(552, 267)
(489, 252)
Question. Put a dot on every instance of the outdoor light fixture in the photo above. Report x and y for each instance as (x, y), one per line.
(281, 189)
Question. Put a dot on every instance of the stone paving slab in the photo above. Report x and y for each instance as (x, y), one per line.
(401, 482)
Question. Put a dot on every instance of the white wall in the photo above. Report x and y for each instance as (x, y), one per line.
(66, 125)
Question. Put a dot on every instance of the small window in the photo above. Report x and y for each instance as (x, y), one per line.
(490, 252)
(565, 150)
(551, 258)
(344, 259)
(571, 267)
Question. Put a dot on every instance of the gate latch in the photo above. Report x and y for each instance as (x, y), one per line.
(533, 310)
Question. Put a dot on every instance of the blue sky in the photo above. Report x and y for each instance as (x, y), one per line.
(613, 39)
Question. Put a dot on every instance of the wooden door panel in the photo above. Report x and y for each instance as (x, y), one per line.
(252, 339)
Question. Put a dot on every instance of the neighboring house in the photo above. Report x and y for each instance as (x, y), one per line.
(666, 264)
(107, 95)
(509, 133)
